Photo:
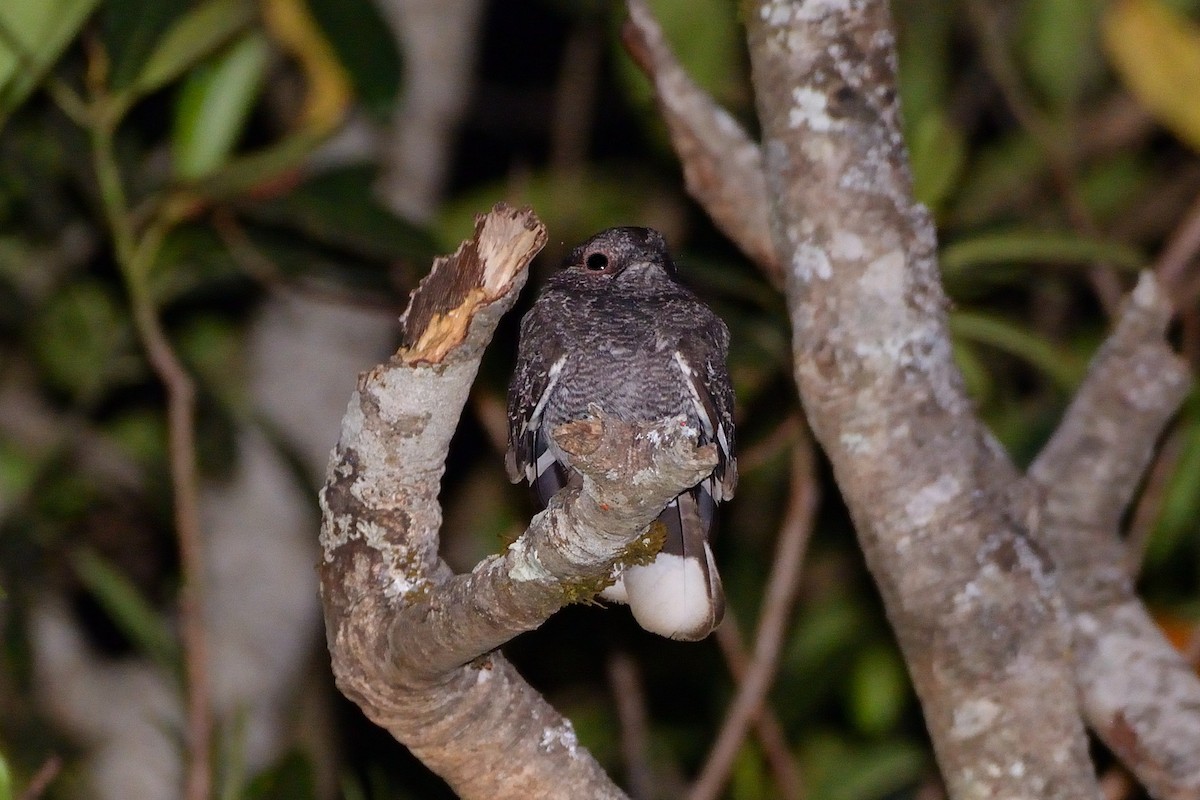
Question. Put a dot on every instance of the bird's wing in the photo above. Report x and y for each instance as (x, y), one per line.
(540, 360)
(702, 357)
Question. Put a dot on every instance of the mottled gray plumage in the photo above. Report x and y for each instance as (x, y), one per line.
(615, 328)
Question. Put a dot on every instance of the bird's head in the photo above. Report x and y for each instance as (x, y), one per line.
(623, 258)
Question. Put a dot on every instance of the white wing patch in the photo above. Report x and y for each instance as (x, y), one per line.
(711, 430)
(697, 403)
(543, 463)
(552, 377)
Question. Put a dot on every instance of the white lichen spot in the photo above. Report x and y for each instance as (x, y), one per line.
(560, 736)
(847, 246)
(967, 597)
(856, 443)
(370, 532)
(526, 566)
(1146, 293)
(776, 13)
(929, 499)
(399, 585)
(1017, 769)
(974, 717)
(885, 276)
(1087, 624)
(809, 109)
(809, 263)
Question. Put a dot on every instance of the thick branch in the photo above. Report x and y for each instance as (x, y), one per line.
(1132, 658)
(569, 552)
(722, 165)
(412, 644)
(934, 499)
(1139, 694)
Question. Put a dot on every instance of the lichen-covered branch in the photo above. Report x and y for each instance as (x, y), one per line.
(935, 501)
(1087, 474)
(411, 643)
(1138, 693)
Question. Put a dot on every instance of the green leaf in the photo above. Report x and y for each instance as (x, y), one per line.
(141, 434)
(339, 208)
(129, 611)
(706, 38)
(975, 373)
(18, 470)
(212, 349)
(1059, 364)
(1155, 51)
(1038, 247)
(871, 772)
(81, 338)
(748, 780)
(879, 690)
(193, 37)
(1059, 46)
(244, 173)
(33, 33)
(366, 48)
(291, 779)
(1115, 185)
(1002, 176)
(6, 788)
(938, 154)
(131, 30)
(925, 30)
(213, 106)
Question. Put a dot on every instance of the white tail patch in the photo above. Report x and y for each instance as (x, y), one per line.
(616, 593)
(674, 596)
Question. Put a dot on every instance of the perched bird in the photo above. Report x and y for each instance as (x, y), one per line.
(615, 328)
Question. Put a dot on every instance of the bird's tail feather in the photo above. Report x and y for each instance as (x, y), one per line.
(679, 594)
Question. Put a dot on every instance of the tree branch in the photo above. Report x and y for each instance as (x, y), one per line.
(410, 642)
(1077, 468)
(1139, 694)
(779, 598)
(722, 165)
(933, 497)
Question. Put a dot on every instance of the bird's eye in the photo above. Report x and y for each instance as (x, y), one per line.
(597, 262)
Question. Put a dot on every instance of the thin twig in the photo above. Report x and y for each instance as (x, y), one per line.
(1116, 784)
(42, 779)
(767, 727)
(778, 601)
(136, 256)
(626, 683)
(1178, 259)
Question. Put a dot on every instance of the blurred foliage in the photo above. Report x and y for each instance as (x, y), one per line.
(1020, 118)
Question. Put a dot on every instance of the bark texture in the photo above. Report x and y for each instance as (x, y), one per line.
(411, 643)
(1138, 693)
(938, 507)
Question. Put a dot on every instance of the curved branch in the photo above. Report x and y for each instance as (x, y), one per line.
(1139, 694)
(412, 644)
(722, 165)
